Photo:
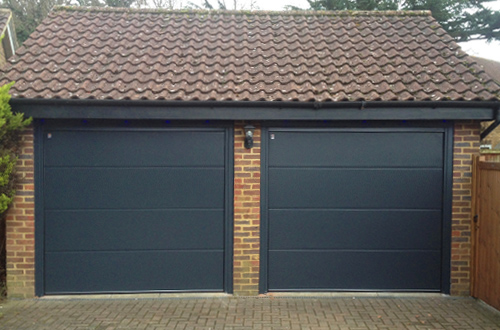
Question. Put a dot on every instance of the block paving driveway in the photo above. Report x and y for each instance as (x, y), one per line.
(225, 312)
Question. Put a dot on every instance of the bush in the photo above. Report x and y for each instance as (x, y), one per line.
(11, 126)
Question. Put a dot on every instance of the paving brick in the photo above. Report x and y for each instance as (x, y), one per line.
(437, 312)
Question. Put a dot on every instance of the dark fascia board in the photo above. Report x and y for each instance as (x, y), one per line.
(242, 110)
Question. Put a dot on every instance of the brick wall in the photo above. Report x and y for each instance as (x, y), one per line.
(20, 219)
(20, 226)
(466, 144)
(246, 213)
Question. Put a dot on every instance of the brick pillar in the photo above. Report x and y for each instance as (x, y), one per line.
(246, 214)
(466, 144)
(20, 226)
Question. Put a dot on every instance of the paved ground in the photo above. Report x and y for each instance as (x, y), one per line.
(323, 312)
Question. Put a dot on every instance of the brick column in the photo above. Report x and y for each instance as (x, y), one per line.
(20, 226)
(466, 144)
(246, 214)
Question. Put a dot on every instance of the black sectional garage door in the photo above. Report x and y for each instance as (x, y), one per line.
(354, 210)
(134, 210)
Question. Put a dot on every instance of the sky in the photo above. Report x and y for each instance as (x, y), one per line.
(478, 48)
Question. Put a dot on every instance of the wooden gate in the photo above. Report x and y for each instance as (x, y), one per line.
(486, 232)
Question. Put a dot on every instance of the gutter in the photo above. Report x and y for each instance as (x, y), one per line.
(275, 104)
(255, 110)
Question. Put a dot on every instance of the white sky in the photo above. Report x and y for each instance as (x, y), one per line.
(476, 48)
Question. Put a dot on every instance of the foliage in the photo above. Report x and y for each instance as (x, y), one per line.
(462, 19)
(222, 5)
(11, 125)
(161, 4)
(119, 3)
(89, 3)
(353, 4)
(29, 13)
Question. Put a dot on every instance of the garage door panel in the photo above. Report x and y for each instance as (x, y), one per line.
(126, 188)
(354, 209)
(134, 210)
(129, 148)
(347, 270)
(349, 229)
(363, 149)
(133, 271)
(113, 230)
(355, 188)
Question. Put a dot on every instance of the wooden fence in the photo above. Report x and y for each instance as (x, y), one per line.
(486, 232)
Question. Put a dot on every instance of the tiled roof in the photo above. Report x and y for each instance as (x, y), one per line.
(490, 66)
(90, 53)
(5, 15)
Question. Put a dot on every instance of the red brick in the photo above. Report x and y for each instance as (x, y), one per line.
(20, 220)
(20, 229)
(464, 133)
(247, 206)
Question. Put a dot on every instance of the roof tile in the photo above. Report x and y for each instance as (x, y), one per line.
(82, 53)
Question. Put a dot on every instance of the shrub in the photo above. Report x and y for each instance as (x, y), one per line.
(11, 126)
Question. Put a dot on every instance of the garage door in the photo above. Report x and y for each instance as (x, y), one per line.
(354, 210)
(134, 210)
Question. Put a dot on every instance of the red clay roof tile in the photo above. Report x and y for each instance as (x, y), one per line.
(82, 53)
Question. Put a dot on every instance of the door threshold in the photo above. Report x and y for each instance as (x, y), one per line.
(137, 296)
(354, 294)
